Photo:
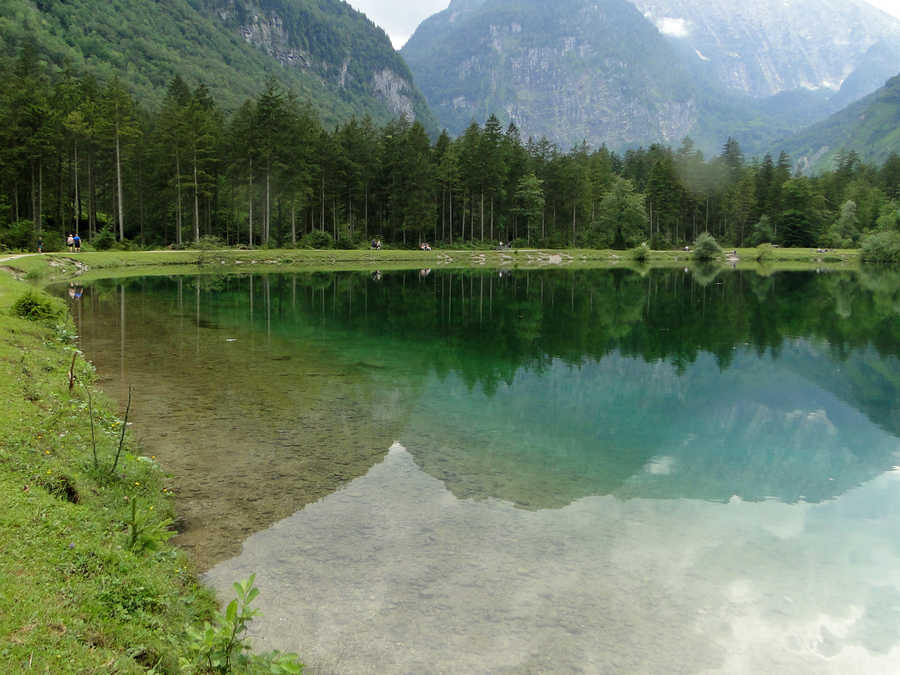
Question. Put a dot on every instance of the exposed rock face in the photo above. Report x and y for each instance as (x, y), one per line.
(394, 91)
(765, 47)
(573, 70)
(332, 44)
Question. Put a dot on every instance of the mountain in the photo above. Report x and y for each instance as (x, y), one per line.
(572, 70)
(325, 51)
(633, 72)
(870, 127)
(765, 47)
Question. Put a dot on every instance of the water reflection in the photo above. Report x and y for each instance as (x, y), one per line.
(266, 393)
(395, 574)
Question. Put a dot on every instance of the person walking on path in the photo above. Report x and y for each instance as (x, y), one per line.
(40, 245)
(70, 242)
(76, 240)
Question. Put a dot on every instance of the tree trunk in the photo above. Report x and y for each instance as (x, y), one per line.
(121, 210)
(92, 197)
(251, 203)
(268, 219)
(482, 215)
(178, 198)
(293, 225)
(77, 204)
(196, 201)
(40, 201)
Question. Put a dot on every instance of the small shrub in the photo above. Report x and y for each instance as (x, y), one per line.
(345, 243)
(104, 240)
(18, 236)
(765, 253)
(317, 239)
(208, 242)
(223, 647)
(37, 306)
(640, 253)
(881, 247)
(706, 247)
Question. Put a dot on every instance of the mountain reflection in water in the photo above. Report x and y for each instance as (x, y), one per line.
(264, 393)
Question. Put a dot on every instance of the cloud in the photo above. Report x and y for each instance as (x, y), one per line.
(674, 27)
(399, 19)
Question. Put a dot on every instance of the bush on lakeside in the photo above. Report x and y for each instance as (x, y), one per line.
(706, 247)
(208, 242)
(37, 306)
(765, 253)
(104, 240)
(640, 253)
(881, 247)
(317, 239)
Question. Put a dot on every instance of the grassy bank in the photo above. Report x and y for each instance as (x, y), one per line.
(97, 264)
(75, 594)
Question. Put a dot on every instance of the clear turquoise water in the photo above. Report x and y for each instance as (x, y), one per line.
(591, 471)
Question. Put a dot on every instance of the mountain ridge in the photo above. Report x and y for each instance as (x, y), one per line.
(325, 51)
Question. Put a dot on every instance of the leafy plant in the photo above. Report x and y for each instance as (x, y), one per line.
(37, 306)
(221, 647)
(317, 239)
(104, 240)
(640, 253)
(145, 533)
(706, 247)
(881, 247)
(765, 253)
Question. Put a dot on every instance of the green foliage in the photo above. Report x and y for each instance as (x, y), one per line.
(221, 646)
(317, 239)
(37, 306)
(868, 127)
(146, 532)
(104, 240)
(762, 231)
(765, 253)
(881, 247)
(640, 253)
(706, 248)
(18, 235)
(147, 44)
(208, 242)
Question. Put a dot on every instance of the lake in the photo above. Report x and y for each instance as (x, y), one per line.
(530, 471)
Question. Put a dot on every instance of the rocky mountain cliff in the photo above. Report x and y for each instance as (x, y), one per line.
(572, 70)
(629, 72)
(765, 47)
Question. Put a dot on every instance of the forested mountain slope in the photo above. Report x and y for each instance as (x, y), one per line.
(870, 128)
(325, 51)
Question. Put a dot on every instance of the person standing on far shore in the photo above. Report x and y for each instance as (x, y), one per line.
(40, 245)
(70, 242)
(76, 240)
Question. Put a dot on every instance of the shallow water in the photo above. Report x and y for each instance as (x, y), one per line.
(531, 471)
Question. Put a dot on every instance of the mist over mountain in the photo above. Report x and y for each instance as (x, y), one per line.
(328, 53)
(869, 127)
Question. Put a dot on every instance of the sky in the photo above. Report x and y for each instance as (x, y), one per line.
(399, 18)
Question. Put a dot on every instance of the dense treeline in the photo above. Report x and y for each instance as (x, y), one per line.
(82, 155)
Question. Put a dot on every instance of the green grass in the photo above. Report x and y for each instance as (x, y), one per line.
(73, 596)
